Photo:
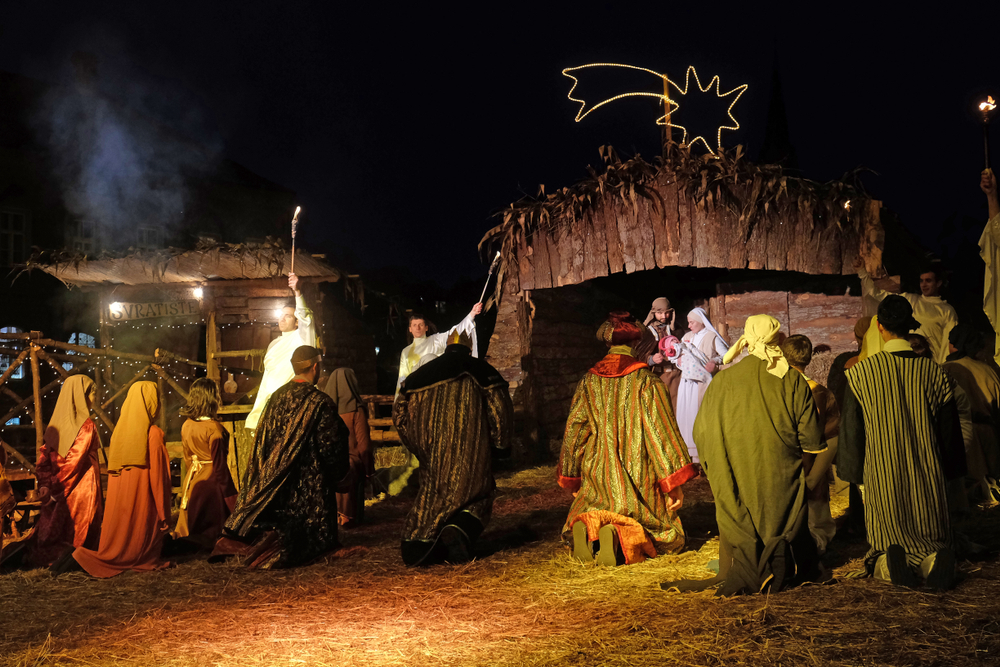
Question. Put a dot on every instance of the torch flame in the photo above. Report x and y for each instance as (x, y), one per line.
(298, 209)
(988, 105)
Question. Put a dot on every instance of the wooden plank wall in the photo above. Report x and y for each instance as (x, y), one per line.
(826, 319)
(617, 236)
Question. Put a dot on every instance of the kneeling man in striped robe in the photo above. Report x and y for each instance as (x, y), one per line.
(900, 436)
(452, 413)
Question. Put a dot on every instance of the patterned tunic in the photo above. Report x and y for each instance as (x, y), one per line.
(622, 450)
(900, 437)
(300, 454)
(451, 413)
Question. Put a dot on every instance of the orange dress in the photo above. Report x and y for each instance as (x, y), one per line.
(73, 515)
(208, 494)
(135, 519)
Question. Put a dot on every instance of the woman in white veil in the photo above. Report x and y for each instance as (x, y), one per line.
(702, 336)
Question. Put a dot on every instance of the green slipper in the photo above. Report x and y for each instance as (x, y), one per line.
(583, 550)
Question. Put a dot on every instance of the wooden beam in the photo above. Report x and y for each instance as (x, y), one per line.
(36, 390)
(169, 380)
(26, 402)
(138, 376)
(13, 366)
(238, 353)
(211, 347)
(17, 455)
(10, 393)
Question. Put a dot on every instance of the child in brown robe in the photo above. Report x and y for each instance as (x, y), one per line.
(207, 493)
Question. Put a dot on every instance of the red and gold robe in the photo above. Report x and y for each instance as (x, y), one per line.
(622, 451)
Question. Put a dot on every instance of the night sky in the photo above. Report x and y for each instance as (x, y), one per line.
(403, 130)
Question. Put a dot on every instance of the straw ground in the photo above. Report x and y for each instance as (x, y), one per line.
(524, 601)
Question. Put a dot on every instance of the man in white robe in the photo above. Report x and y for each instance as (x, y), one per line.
(434, 344)
(935, 315)
(989, 250)
(297, 329)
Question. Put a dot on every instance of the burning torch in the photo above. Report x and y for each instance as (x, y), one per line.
(295, 228)
(493, 266)
(987, 108)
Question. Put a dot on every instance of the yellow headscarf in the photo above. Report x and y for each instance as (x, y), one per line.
(760, 338)
(872, 343)
(70, 413)
(130, 441)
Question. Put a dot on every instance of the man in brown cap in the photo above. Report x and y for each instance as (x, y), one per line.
(286, 513)
(659, 324)
(900, 436)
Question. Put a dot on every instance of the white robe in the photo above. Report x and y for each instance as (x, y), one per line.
(690, 392)
(989, 249)
(434, 345)
(936, 316)
(278, 359)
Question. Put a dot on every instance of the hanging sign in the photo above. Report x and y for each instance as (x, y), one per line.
(120, 311)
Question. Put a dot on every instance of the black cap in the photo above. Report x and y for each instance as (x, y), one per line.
(896, 314)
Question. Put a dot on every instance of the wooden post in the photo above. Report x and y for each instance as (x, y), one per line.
(212, 346)
(666, 114)
(36, 390)
(104, 339)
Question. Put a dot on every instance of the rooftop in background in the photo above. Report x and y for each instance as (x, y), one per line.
(208, 262)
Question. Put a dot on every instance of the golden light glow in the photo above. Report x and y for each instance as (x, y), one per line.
(988, 105)
(673, 106)
(278, 313)
(738, 90)
(198, 292)
(298, 209)
(847, 205)
(581, 114)
(115, 308)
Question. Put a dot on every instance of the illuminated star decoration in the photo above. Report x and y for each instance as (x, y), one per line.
(736, 93)
(581, 114)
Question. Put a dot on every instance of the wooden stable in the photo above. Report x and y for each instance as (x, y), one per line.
(735, 238)
(219, 305)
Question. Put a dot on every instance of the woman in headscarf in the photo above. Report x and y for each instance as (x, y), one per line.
(135, 520)
(703, 337)
(208, 494)
(342, 387)
(69, 477)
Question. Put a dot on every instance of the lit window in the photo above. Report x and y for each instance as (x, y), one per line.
(86, 340)
(6, 361)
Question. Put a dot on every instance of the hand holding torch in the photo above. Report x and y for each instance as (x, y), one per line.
(987, 108)
(493, 266)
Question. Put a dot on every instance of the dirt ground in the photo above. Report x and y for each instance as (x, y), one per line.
(523, 601)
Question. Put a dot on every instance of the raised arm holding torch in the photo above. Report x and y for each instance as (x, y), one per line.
(295, 228)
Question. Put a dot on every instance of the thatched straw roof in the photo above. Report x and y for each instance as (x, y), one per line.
(686, 210)
(208, 261)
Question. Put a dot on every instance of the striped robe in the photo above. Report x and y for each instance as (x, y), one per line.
(450, 413)
(622, 451)
(900, 437)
